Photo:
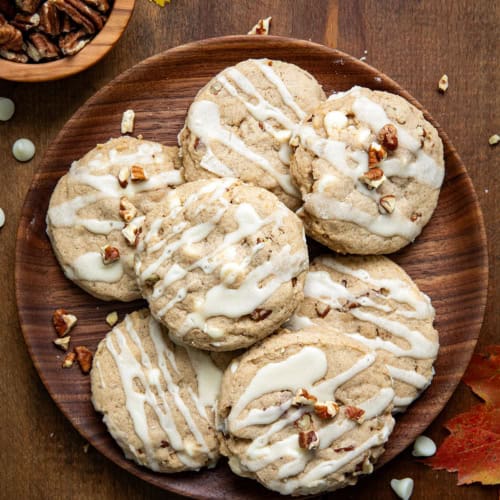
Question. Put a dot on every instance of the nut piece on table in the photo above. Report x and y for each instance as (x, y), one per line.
(127, 209)
(84, 358)
(138, 174)
(387, 204)
(308, 440)
(304, 398)
(69, 360)
(62, 342)
(443, 84)
(388, 137)
(112, 318)
(326, 410)
(63, 321)
(109, 254)
(262, 27)
(127, 125)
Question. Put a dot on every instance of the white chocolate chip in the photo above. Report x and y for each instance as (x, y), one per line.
(403, 487)
(7, 109)
(2, 217)
(494, 139)
(423, 447)
(23, 150)
(334, 120)
(127, 126)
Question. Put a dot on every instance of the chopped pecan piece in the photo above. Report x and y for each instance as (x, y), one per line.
(376, 153)
(138, 174)
(262, 27)
(50, 21)
(388, 137)
(63, 321)
(110, 254)
(131, 233)
(415, 216)
(127, 209)
(84, 358)
(69, 360)
(355, 413)
(260, 314)
(63, 342)
(322, 309)
(345, 448)
(11, 39)
(373, 178)
(304, 423)
(308, 440)
(123, 175)
(304, 398)
(326, 410)
(387, 204)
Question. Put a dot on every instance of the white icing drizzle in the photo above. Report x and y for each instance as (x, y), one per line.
(302, 370)
(204, 121)
(222, 299)
(90, 267)
(297, 322)
(131, 369)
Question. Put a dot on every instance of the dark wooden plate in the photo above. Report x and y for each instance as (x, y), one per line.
(448, 261)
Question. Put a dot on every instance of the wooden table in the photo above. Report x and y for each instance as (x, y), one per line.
(42, 456)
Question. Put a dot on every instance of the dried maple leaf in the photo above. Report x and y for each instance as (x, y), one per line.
(483, 375)
(473, 448)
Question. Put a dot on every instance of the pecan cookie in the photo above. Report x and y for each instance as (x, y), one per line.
(240, 123)
(97, 208)
(370, 168)
(305, 412)
(157, 397)
(221, 263)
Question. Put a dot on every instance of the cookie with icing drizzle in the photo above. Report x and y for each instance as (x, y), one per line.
(102, 195)
(221, 263)
(371, 299)
(240, 124)
(370, 168)
(157, 397)
(305, 412)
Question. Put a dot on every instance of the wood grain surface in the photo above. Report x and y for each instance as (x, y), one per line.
(448, 261)
(88, 56)
(413, 42)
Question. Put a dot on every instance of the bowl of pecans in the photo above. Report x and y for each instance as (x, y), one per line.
(42, 40)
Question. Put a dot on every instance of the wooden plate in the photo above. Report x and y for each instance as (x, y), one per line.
(92, 53)
(448, 261)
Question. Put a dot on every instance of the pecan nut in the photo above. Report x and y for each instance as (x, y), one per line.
(73, 42)
(44, 46)
(11, 38)
(50, 21)
(388, 137)
(63, 321)
(308, 440)
(84, 358)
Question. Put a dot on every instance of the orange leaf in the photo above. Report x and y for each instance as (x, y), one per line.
(483, 375)
(473, 448)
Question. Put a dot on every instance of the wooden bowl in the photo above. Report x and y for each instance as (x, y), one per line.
(448, 260)
(93, 52)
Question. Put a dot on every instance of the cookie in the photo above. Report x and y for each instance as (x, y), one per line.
(305, 412)
(370, 168)
(221, 263)
(157, 397)
(91, 206)
(374, 301)
(240, 123)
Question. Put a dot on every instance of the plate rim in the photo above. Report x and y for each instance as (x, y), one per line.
(482, 258)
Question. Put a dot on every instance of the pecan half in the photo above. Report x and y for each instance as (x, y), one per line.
(50, 21)
(84, 358)
(29, 6)
(11, 38)
(25, 22)
(19, 57)
(78, 15)
(73, 42)
(100, 5)
(308, 440)
(44, 46)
